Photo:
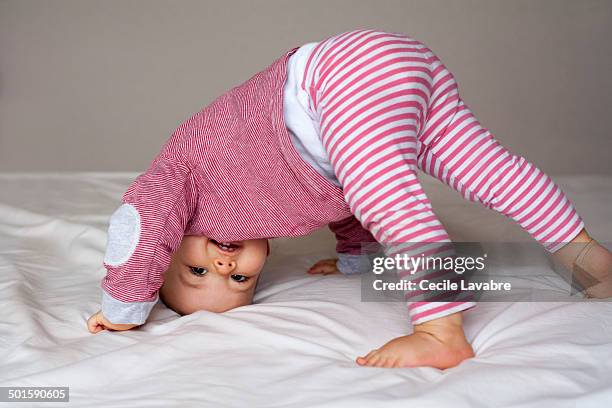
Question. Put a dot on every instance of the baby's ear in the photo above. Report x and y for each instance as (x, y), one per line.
(268, 244)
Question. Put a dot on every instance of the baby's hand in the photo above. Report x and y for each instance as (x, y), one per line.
(97, 322)
(325, 267)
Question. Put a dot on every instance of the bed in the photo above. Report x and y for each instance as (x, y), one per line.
(296, 346)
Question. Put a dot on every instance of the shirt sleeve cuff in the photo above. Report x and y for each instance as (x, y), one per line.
(350, 264)
(118, 312)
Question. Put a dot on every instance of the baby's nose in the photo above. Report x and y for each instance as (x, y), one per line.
(224, 266)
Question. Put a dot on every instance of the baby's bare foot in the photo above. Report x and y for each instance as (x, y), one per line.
(440, 343)
(324, 267)
(590, 264)
(595, 262)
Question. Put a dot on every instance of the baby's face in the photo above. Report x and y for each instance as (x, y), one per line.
(207, 275)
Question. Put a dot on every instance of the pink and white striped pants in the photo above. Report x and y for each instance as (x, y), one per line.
(386, 106)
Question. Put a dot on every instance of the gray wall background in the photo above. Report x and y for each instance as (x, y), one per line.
(100, 85)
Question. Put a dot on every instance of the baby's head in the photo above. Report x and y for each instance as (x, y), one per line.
(207, 275)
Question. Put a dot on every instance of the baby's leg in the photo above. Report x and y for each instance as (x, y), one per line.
(371, 100)
(457, 150)
(471, 161)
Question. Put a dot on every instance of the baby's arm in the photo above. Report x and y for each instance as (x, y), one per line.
(143, 233)
(354, 244)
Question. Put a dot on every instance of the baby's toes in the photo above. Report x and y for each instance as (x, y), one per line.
(363, 360)
(390, 358)
(390, 362)
(372, 358)
(386, 359)
(382, 362)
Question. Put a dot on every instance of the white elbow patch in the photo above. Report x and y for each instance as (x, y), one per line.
(123, 235)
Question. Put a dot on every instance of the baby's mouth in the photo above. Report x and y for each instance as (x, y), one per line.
(227, 246)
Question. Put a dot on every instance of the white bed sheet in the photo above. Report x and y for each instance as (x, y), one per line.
(296, 346)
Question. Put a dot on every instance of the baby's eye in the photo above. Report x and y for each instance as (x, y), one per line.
(198, 271)
(240, 278)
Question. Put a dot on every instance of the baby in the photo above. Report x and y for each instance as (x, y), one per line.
(331, 133)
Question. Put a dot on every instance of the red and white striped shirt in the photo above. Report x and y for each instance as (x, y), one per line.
(229, 172)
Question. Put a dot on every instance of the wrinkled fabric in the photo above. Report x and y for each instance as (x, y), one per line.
(294, 347)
